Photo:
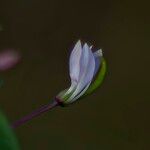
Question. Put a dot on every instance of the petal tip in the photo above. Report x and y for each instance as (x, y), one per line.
(91, 46)
(99, 53)
(86, 46)
(78, 42)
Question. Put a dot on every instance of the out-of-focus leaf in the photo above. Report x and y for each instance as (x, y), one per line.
(7, 138)
(1, 82)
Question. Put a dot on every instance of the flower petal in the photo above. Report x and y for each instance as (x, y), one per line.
(74, 66)
(97, 55)
(87, 67)
(69, 90)
(74, 62)
(81, 93)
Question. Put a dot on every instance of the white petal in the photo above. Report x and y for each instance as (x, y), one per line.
(80, 94)
(87, 67)
(70, 89)
(74, 62)
(98, 53)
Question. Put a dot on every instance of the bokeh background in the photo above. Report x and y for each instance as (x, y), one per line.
(115, 117)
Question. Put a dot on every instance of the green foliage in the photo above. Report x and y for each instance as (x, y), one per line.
(7, 138)
(1, 83)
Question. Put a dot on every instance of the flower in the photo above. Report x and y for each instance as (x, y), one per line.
(87, 71)
(8, 59)
(84, 66)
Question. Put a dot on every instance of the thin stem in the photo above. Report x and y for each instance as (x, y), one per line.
(35, 114)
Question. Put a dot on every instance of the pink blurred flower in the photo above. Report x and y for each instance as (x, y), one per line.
(8, 59)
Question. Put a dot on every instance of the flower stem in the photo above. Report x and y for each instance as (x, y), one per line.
(35, 114)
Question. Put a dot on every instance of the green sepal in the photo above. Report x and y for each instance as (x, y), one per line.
(7, 138)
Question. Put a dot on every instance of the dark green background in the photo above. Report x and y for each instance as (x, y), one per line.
(117, 116)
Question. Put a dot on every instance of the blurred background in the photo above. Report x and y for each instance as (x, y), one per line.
(115, 117)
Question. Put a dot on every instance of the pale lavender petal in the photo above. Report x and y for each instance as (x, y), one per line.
(8, 59)
(70, 89)
(91, 47)
(85, 58)
(97, 55)
(74, 62)
(87, 67)
(81, 93)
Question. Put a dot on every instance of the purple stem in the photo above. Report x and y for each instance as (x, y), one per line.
(35, 114)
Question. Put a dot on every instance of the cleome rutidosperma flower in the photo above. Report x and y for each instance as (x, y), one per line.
(83, 66)
(87, 71)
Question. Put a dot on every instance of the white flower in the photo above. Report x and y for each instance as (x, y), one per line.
(83, 66)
